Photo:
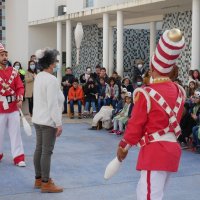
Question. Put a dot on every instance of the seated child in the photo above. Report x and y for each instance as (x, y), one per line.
(121, 119)
(101, 88)
(120, 103)
(90, 97)
(196, 116)
(75, 95)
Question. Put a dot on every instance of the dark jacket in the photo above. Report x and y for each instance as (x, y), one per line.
(69, 78)
(101, 90)
(90, 92)
(129, 88)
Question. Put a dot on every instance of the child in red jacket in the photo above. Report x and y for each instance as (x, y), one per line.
(75, 95)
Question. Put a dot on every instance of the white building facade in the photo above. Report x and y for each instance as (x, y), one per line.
(116, 32)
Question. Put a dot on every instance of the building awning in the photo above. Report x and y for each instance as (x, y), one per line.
(135, 12)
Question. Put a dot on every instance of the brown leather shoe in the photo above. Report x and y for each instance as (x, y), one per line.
(38, 183)
(50, 187)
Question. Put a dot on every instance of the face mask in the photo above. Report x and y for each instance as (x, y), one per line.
(140, 66)
(139, 83)
(32, 67)
(55, 69)
(17, 67)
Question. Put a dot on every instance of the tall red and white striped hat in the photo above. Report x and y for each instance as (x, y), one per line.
(2, 49)
(167, 51)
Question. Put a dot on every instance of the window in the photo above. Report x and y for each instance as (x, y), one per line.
(89, 3)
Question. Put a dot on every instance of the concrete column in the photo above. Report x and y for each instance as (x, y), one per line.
(106, 42)
(111, 66)
(59, 48)
(68, 43)
(152, 38)
(195, 35)
(120, 28)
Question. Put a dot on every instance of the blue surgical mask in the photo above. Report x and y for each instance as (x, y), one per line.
(139, 83)
(17, 67)
(32, 67)
(55, 69)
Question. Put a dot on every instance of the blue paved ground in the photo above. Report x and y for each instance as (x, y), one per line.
(78, 164)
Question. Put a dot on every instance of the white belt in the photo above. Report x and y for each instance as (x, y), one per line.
(5, 102)
(169, 137)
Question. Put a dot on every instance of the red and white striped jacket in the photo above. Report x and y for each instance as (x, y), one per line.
(10, 77)
(162, 153)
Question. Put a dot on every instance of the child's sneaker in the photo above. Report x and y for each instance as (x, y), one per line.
(85, 114)
(113, 131)
(119, 132)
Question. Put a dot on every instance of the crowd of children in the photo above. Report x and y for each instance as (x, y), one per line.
(108, 100)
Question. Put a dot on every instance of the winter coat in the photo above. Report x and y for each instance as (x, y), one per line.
(75, 93)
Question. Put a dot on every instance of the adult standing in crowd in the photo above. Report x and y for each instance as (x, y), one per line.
(29, 80)
(103, 75)
(154, 123)
(84, 77)
(11, 97)
(34, 59)
(17, 65)
(138, 70)
(67, 83)
(47, 118)
(97, 72)
(118, 80)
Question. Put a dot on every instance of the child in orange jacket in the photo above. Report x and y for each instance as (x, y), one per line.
(75, 95)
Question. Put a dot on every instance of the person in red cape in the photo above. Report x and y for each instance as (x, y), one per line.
(11, 97)
(154, 123)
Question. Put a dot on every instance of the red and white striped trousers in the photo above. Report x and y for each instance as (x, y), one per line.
(152, 184)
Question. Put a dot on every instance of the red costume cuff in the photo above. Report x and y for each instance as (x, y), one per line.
(124, 145)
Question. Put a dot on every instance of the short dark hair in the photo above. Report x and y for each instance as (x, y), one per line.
(75, 80)
(101, 78)
(98, 66)
(103, 68)
(33, 56)
(88, 68)
(111, 79)
(68, 68)
(49, 57)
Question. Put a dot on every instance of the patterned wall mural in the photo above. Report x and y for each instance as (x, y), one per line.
(2, 22)
(183, 21)
(136, 45)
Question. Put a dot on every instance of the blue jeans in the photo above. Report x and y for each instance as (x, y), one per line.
(101, 102)
(87, 106)
(196, 140)
(110, 101)
(65, 102)
(72, 106)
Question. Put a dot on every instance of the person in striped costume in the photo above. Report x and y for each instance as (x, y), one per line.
(154, 123)
(11, 97)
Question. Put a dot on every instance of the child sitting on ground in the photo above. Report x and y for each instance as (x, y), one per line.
(196, 116)
(122, 118)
